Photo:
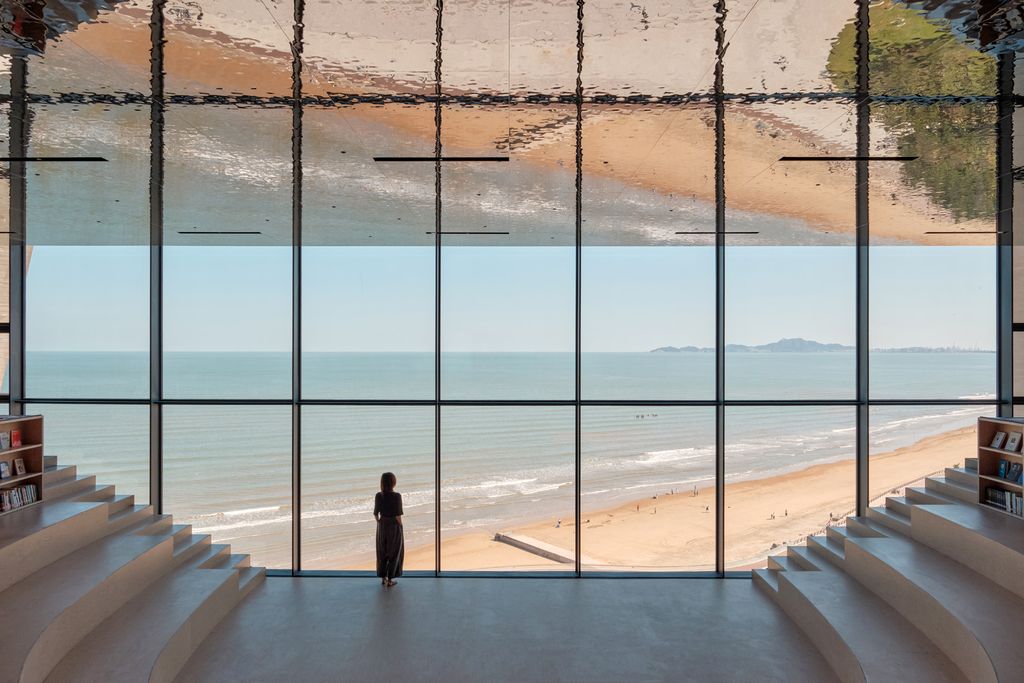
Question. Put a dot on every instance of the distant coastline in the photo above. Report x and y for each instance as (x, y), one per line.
(799, 345)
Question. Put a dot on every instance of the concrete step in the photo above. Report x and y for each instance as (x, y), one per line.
(952, 489)
(58, 473)
(767, 580)
(892, 519)
(861, 637)
(49, 461)
(101, 493)
(862, 526)
(69, 487)
(118, 503)
(962, 476)
(130, 516)
(784, 563)
(249, 578)
(827, 548)
(987, 541)
(153, 635)
(971, 464)
(972, 620)
(805, 558)
(898, 504)
(62, 602)
(34, 537)
(922, 496)
(190, 546)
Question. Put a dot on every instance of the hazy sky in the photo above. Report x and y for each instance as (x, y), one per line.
(505, 299)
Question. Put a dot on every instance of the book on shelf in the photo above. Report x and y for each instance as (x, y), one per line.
(18, 496)
(5, 469)
(1012, 441)
(998, 440)
(1014, 471)
(1006, 500)
(1002, 468)
(15, 438)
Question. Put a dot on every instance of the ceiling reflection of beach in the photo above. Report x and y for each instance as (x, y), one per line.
(507, 77)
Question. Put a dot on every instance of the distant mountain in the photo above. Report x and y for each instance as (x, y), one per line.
(798, 345)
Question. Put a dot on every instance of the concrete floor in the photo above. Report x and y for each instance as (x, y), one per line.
(545, 630)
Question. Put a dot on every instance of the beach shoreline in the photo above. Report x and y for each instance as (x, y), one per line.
(763, 516)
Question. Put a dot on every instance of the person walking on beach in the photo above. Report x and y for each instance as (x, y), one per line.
(387, 510)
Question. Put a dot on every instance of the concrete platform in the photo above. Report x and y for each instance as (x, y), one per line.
(515, 630)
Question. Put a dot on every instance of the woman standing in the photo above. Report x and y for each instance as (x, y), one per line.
(387, 510)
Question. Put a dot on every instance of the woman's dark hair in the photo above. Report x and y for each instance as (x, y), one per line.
(387, 482)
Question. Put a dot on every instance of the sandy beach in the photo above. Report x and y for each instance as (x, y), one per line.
(676, 526)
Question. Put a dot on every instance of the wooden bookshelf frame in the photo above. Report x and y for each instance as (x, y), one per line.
(989, 457)
(31, 451)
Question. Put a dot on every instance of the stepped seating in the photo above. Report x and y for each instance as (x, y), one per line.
(928, 587)
(106, 590)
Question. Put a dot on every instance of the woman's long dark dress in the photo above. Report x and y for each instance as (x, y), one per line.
(390, 541)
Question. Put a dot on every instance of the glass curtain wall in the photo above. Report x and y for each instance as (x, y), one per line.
(607, 297)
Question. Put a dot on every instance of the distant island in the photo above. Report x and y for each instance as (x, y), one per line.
(798, 345)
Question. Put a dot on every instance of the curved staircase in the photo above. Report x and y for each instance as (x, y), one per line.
(106, 590)
(929, 587)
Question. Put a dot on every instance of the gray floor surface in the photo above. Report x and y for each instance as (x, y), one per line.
(486, 629)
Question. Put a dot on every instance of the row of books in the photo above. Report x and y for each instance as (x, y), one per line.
(10, 439)
(19, 496)
(1007, 500)
(1011, 472)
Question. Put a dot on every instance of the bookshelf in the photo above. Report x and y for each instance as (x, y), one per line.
(1001, 493)
(27, 488)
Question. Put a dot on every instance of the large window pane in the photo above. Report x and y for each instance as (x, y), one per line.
(368, 257)
(933, 322)
(647, 489)
(790, 473)
(791, 224)
(227, 324)
(933, 295)
(507, 263)
(344, 452)
(507, 472)
(108, 441)
(648, 260)
(87, 320)
(227, 272)
(909, 443)
(87, 283)
(227, 472)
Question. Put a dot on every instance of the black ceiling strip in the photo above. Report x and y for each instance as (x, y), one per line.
(434, 159)
(23, 159)
(848, 158)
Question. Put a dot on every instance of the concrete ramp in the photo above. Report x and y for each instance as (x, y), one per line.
(542, 549)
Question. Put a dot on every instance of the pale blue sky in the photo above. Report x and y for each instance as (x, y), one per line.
(504, 299)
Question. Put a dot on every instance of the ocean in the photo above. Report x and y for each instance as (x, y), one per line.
(227, 469)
